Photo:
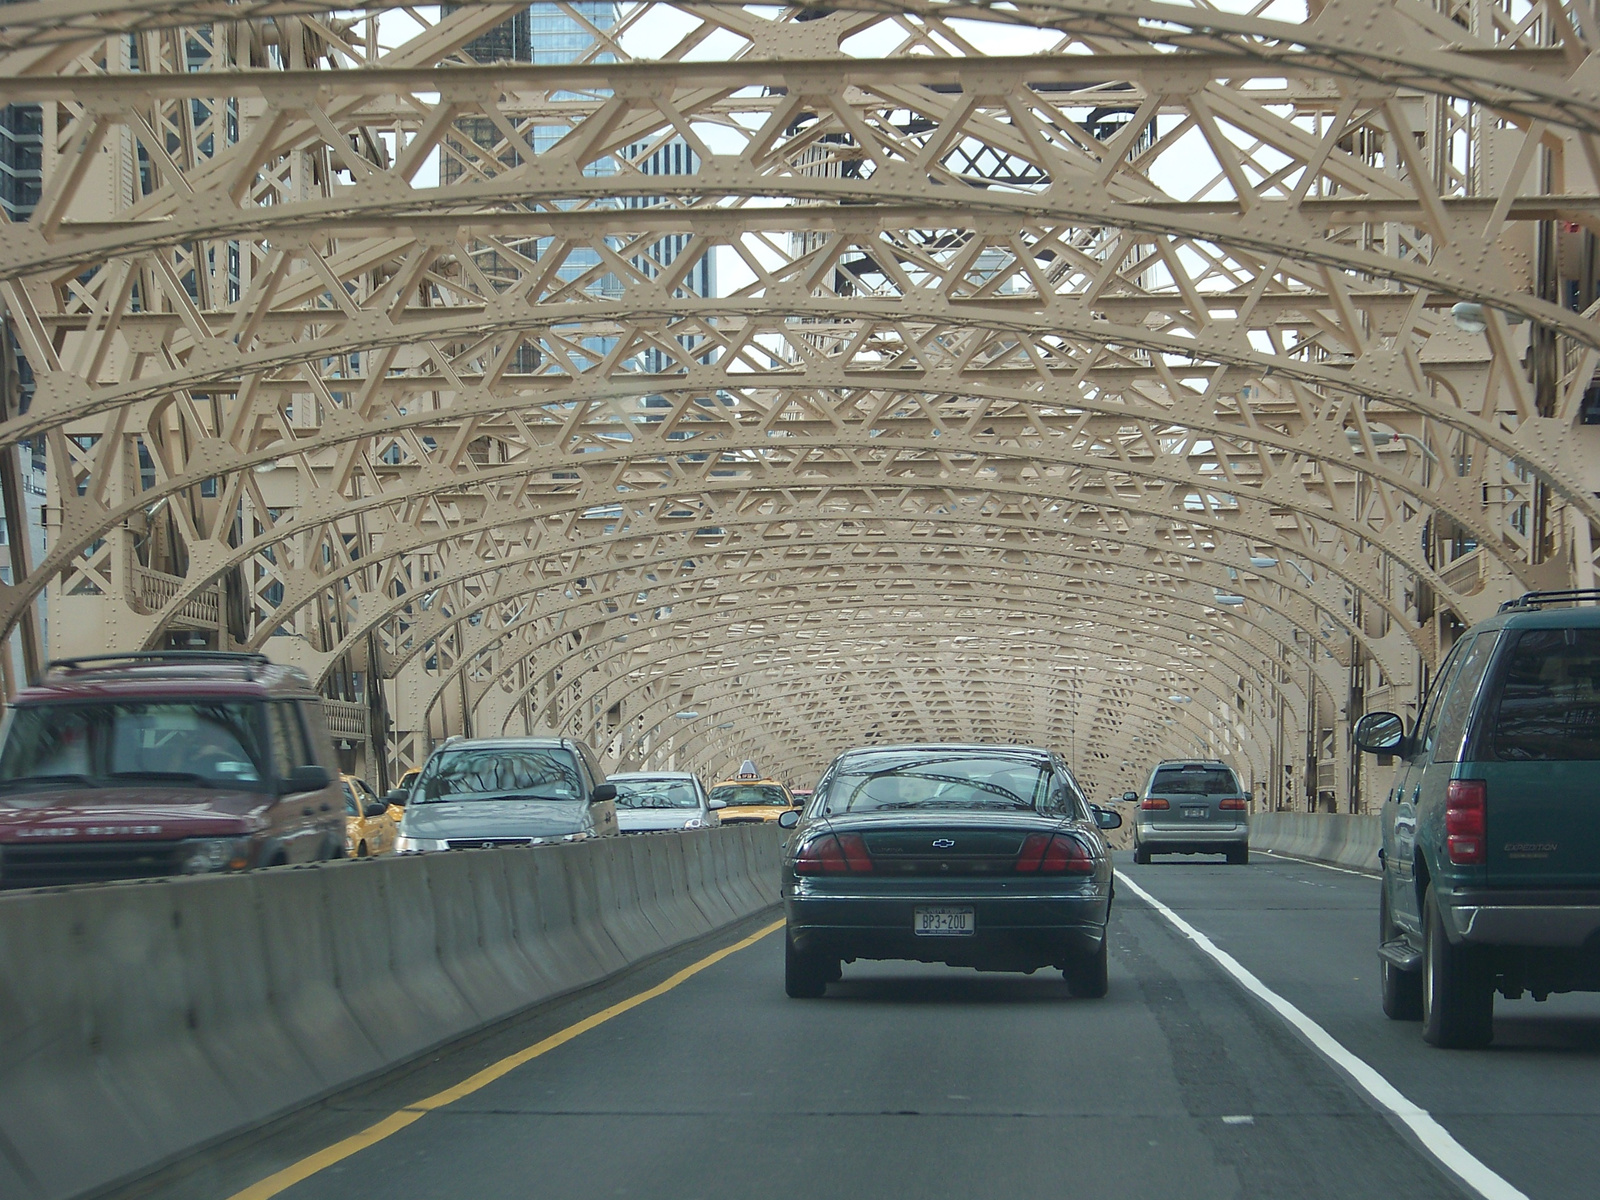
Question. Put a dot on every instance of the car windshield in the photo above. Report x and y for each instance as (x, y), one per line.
(1549, 703)
(500, 773)
(1194, 781)
(942, 782)
(186, 743)
(656, 793)
(751, 795)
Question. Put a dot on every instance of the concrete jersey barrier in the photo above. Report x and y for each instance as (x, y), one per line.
(1341, 839)
(141, 1021)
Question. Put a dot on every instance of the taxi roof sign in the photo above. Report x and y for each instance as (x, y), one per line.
(747, 770)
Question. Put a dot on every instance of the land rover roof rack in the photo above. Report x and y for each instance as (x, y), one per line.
(168, 657)
(1540, 599)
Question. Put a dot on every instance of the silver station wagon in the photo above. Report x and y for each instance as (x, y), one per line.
(486, 792)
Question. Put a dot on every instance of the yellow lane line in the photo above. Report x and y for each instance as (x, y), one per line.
(399, 1119)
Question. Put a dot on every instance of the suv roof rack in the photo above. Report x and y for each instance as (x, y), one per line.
(167, 657)
(1540, 599)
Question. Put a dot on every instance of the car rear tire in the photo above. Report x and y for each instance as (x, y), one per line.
(805, 976)
(361, 850)
(1239, 857)
(1089, 979)
(1141, 856)
(1457, 988)
(1402, 990)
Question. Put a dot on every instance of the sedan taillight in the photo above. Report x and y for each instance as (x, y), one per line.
(1150, 802)
(833, 854)
(1054, 854)
(1466, 807)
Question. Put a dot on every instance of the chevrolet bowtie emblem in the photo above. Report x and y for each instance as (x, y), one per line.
(943, 844)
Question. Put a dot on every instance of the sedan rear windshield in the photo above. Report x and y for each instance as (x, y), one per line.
(942, 783)
(656, 793)
(1194, 781)
(184, 743)
(751, 795)
(1548, 708)
(495, 773)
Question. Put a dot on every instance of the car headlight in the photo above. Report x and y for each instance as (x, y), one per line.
(205, 855)
(413, 845)
(692, 823)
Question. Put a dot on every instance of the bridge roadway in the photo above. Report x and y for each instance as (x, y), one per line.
(918, 1081)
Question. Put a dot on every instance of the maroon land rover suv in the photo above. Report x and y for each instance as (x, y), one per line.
(130, 766)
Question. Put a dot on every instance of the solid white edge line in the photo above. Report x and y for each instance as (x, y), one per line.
(1434, 1137)
(1311, 862)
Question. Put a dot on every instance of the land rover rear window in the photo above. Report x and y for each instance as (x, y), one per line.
(1548, 707)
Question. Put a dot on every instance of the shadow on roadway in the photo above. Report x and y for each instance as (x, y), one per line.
(1533, 1032)
(874, 983)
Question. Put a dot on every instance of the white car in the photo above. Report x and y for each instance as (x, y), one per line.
(649, 801)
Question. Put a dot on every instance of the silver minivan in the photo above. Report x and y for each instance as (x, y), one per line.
(1192, 807)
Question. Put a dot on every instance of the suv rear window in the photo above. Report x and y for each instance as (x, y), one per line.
(1548, 708)
(1194, 781)
(189, 743)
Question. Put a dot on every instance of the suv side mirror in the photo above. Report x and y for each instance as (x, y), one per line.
(1379, 733)
(789, 818)
(602, 793)
(308, 778)
(375, 808)
(713, 805)
(1130, 796)
(1249, 797)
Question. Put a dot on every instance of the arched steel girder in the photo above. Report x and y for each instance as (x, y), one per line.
(727, 698)
(1379, 42)
(1232, 644)
(652, 525)
(624, 583)
(903, 724)
(622, 578)
(1321, 605)
(1319, 441)
(1563, 478)
(1389, 376)
(1176, 634)
(1466, 262)
(499, 512)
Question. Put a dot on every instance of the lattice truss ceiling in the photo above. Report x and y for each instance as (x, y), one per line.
(919, 371)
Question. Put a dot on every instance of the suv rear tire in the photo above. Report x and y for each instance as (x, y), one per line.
(805, 976)
(1402, 990)
(1087, 978)
(1141, 855)
(1457, 988)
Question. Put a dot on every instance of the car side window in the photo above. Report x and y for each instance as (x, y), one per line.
(288, 740)
(314, 721)
(352, 801)
(1428, 723)
(1457, 705)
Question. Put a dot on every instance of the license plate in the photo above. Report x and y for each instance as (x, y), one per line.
(1198, 814)
(943, 922)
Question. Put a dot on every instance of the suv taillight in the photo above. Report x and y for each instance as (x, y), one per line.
(1466, 808)
(1232, 805)
(1150, 802)
(1054, 854)
(833, 854)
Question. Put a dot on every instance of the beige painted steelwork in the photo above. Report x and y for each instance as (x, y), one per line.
(1134, 378)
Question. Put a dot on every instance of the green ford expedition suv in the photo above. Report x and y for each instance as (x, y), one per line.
(1491, 836)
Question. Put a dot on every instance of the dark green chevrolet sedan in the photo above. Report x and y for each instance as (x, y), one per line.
(977, 856)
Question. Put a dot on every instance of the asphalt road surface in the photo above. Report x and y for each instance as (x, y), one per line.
(930, 1082)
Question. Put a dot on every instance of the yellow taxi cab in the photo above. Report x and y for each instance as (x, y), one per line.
(750, 797)
(370, 825)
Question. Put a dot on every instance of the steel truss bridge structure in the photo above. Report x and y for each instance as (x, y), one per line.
(1140, 378)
